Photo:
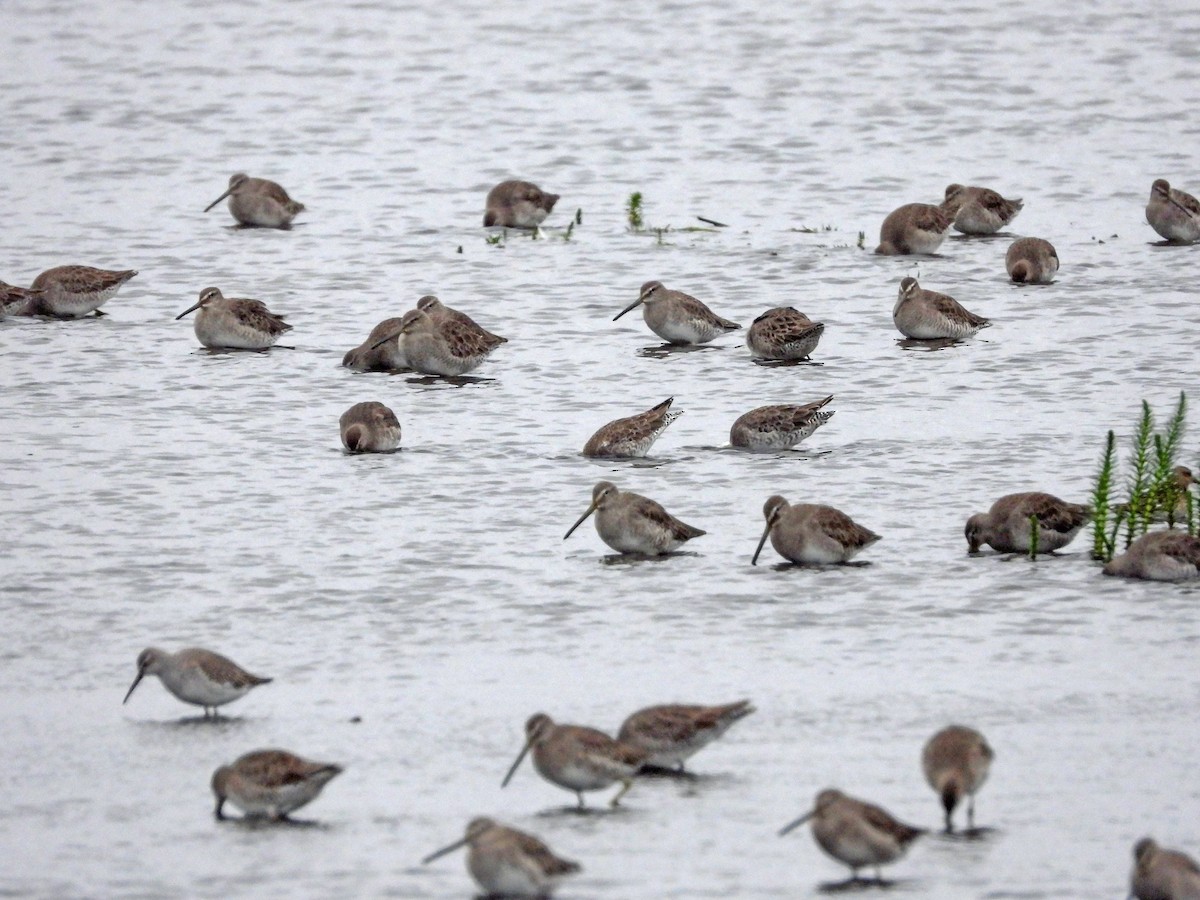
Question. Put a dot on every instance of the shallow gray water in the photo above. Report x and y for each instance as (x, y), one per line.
(154, 493)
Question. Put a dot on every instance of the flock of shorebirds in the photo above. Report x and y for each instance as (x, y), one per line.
(435, 340)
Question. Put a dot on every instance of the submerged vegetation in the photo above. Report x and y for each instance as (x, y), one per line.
(1155, 486)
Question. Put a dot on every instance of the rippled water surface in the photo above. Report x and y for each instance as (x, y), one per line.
(416, 608)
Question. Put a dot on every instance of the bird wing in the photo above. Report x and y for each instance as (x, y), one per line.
(542, 856)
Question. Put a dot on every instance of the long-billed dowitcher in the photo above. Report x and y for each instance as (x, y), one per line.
(671, 733)
(811, 533)
(913, 228)
(234, 323)
(778, 427)
(578, 758)
(380, 352)
(506, 862)
(784, 333)
(270, 783)
(676, 317)
(71, 292)
(856, 833)
(1161, 874)
(439, 312)
(369, 427)
(631, 523)
(259, 202)
(1031, 261)
(446, 347)
(927, 315)
(196, 676)
(633, 435)
(18, 301)
(979, 210)
(1174, 214)
(517, 204)
(1006, 526)
(1171, 555)
(956, 761)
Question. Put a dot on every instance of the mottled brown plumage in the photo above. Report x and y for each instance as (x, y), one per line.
(270, 783)
(913, 228)
(234, 323)
(1006, 527)
(956, 762)
(448, 347)
(671, 733)
(631, 523)
(259, 202)
(633, 435)
(197, 676)
(578, 758)
(927, 315)
(1162, 874)
(1174, 214)
(71, 292)
(369, 427)
(1031, 261)
(506, 862)
(1171, 555)
(778, 427)
(380, 352)
(676, 317)
(517, 204)
(811, 533)
(979, 210)
(18, 301)
(856, 833)
(784, 333)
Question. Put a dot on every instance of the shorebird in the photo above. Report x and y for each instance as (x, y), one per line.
(670, 734)
(784, 333)
(379, 352)
(913, 228)
(856, 833)
(631, 523)
(578, 758)
(71, 292)
(811, 533)
(446, 348)
(369, 427)
(956, 762)
(1031, 261)
(1006, 526)
(234, 323)
(676, 317)
(1161, 874)
(927, 315)
(259, 202)
(196, 676)
(633, 435)
(18, 301)
(979, 210)
(506, 862)
(1175, 215)
(778, 427)
(1170, 555)
(270, 783)
(439, 312)
(517, 204)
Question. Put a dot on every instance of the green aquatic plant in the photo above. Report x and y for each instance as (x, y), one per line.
(1101, 542)
(633, 212)
(862, 240)
(1035, 528)
(1151, 484)
(579, 216)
